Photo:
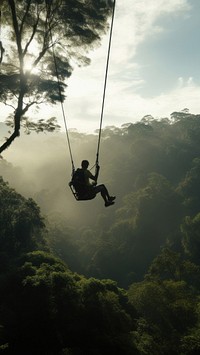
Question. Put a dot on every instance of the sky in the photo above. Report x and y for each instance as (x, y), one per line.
(154, 67)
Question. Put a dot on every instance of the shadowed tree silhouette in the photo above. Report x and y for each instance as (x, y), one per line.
(28, 73)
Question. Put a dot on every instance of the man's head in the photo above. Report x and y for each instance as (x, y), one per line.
(85, 164)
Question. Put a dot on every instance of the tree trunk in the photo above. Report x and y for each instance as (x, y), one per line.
(9, 141)
(16, 133)
(22, 85)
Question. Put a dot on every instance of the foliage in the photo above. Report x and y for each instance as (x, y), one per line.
(43, 59)
(191, 236)
(22, 227)
(46, 308)
(68, 274)
(167, 310)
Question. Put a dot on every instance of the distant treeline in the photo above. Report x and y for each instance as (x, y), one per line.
(76, 278)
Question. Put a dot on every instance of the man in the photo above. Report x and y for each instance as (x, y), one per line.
(93, 189)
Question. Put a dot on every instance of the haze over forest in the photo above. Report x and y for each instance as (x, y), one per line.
(39, 166)
(43, 170)
(140, 256)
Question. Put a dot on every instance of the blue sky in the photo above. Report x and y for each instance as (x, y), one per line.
(154, 66)
(173, 54)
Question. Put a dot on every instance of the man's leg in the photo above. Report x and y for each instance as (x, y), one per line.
(105, 195)
(103, 191)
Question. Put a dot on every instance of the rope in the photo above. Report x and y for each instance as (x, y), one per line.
(61, 102)
(63, 111)
(104, 91)
(105, 82)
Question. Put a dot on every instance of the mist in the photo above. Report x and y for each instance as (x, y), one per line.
(146, 165)
(39, 166)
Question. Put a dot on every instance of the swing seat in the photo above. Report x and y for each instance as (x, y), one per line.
(81, 195)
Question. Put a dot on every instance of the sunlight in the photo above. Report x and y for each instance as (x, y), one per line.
(28, 65)
(30, 57)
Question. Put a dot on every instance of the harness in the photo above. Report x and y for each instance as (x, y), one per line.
(79, 188)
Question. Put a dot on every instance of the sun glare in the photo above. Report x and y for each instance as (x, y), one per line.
(30, 58)
(28, 67)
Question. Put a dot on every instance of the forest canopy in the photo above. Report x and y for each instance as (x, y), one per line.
(124, 280)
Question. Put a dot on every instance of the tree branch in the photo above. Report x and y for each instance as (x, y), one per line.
(24, 17)
(17, 31)
(9, 141)
(32, 35)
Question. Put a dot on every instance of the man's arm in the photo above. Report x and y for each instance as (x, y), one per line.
(95, 177)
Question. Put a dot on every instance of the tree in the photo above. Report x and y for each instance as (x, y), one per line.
(169, 265)
(189, 187)
(22, 227)
(149, 211)
(36, 54)
(167, 309)
(191, 237)
(45, 308)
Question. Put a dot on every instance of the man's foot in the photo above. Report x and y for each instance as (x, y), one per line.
(109, 203)
(112, 198)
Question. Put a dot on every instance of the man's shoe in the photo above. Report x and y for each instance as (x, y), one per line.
(109, 203)
(112, 198)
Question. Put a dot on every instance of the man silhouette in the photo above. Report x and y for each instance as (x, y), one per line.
(93, 189)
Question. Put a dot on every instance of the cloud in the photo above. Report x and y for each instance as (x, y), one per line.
(132, 107)
(135, 22)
